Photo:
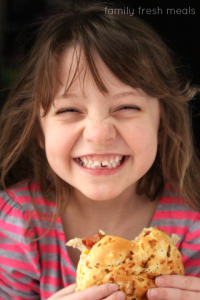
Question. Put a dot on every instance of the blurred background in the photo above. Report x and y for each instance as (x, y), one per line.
(178, 22)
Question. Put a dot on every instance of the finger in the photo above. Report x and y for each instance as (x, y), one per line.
(117, 296)
(96, 292)
(179, 281)
(170, 293)
(71, 289)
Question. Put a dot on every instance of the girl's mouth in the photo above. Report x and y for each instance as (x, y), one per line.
(111, 163)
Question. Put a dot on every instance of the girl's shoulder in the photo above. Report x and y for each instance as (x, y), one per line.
(15, 203)
(17, 210)
(174, 215)
(14, 198)
(22, 195)
(173, 201)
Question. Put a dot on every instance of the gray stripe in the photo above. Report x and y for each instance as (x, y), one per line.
(172, 222)
(8, 200)
(196, 241)
(9, 291)
(192, 254)
(44, 208)
(48, 241)
(13, 220)
(20, 256)
(54, 289)
(15, 237)
(51, 257)
(6, 296)
(192, 270)
(195, 226)
(28, 205)
(31, 275)
(174, 207)
(25, 279)
(71, 267)
(57, 274)
(26, 193)
(43, 224)
(19, 222)
(168, 193)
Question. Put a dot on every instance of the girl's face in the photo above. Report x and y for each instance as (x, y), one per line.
(100, 144)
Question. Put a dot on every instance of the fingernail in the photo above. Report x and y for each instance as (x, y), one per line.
(113, 287)
(152, 293)
(159, 280)
(121, 296)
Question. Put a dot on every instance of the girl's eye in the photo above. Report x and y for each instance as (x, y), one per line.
(68, 110)
(126, 107)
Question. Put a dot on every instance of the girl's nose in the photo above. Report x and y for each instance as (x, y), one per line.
(99, 132)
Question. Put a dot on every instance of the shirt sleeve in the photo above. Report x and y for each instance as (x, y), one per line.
(19, 257)
(190, 249)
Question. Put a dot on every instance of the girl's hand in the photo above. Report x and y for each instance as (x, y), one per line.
(105, 291)
(175, 287)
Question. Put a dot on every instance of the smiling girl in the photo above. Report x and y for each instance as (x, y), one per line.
(95, 135)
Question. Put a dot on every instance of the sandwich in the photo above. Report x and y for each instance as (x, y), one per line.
(132, 265)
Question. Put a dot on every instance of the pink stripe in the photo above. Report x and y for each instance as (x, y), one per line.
(17, 275)
(47, 294)
(25, 199)
(50, 264)
(51, 248)
(193, 235)
(188, 262)
(194, 275)
(12, 228)
(19, 265)
(52, 281)
(17, 286)
(174, 229)
(15, 249)
(174, 200)
(192, 247)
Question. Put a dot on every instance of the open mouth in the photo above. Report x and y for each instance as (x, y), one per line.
(105, 164)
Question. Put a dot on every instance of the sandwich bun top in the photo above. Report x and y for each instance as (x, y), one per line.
(133, 265)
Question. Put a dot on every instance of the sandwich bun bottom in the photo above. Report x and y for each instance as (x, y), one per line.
(132, 265)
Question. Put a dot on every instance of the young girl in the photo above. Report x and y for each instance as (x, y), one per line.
(95, 135)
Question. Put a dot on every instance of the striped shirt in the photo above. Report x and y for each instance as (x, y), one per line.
(38, 269)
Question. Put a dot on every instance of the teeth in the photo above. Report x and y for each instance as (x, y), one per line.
(112, 163)
(97, 163)
(104, 163)
(84, 160)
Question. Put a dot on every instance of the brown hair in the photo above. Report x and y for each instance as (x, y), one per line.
(135, 53)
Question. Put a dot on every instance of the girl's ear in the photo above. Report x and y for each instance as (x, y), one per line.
(160, 131)
(40, 137)
(41, 144)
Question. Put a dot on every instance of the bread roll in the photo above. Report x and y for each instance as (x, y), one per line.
(133, 265)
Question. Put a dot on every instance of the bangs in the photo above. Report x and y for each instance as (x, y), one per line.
(83, 61)
(130, 49)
